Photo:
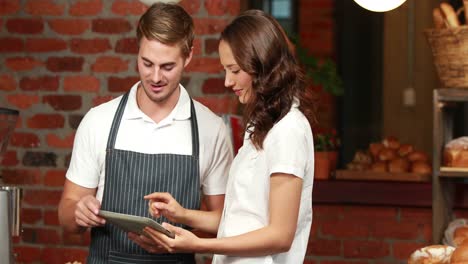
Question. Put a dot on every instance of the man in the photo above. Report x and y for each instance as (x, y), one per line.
(154, 138)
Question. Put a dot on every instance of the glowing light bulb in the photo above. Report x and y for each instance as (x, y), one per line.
(379, 5)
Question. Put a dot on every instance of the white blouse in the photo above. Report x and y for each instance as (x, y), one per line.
(288, 148)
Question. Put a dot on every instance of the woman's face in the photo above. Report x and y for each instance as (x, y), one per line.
(236, 79)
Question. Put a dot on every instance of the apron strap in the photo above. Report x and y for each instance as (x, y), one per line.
(195, 136)
(116, 122)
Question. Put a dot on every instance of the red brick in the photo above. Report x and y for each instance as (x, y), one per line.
(214, 86)
(109, 64)
(59, 142)
(197, 47)
(366, 249)
(39, 159)
(42, 197)
(22, 101)
(65, 64)
(44, 8)
(74, 239)
(54, 178)
(22, 63)
(25, 25)
(22, 177)
(371, 213)
(46, 121)
(402, 249)
(86, 8)
(209, 26)
(211, 46)
(51, 218)
(205, 65)
(124, 7)
(81, 84)
(26, 254)
(41, 236)
(7, 83)
(419, 215)
(191, 6)
(117, 84)
(31, 215)
(45, 45)
(323, 247)
(9, 44)
(222, 7)
(40, 83)
(346, 229)
(24, 140)
(63, 255)
(63, 102)
(90, 46)
(127, 46)
(10, 158)
(220, 105)
(395, 230)
(111, 25)
(69, 26)
(9, 7)
(101, 99)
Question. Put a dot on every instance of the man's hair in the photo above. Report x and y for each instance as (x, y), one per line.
(169, 24)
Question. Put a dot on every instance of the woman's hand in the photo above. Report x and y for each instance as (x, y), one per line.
(163, 204)
(146, 243)
(184, 241)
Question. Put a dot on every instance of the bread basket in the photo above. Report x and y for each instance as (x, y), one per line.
(450, 53)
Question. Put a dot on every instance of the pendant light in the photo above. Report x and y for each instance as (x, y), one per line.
(379, 5)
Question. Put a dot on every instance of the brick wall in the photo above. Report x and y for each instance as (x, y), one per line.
(59, 58)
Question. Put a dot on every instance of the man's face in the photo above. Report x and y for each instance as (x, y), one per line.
(160, 67)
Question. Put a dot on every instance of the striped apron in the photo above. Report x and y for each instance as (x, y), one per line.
(132, 175)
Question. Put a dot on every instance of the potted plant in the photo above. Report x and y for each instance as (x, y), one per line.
(326, 145)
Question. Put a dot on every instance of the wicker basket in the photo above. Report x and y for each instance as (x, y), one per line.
(450, 52)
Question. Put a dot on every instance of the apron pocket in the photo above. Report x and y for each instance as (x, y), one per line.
(121, 258)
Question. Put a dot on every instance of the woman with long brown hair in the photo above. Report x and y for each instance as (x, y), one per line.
(267, 213)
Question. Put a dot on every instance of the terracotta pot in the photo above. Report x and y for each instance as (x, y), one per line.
(325, 163)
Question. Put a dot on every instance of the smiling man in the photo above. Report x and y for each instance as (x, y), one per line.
(154, 138)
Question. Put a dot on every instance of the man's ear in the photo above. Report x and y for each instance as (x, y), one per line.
(189, 57)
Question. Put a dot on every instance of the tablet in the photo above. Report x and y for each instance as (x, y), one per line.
(133, 223)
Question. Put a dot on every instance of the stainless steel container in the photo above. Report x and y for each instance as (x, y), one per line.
(5, 233)
(15, 195)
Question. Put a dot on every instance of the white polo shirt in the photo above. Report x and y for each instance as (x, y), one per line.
(288, 148)
(140, 133)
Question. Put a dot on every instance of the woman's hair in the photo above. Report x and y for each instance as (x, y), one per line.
(169, 24)
(261, 48)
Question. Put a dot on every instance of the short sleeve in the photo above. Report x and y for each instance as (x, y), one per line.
(84, 169)
(286, 147)
(221, 158)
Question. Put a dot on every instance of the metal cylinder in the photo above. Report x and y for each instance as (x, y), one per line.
(14, 208)
(5, 233)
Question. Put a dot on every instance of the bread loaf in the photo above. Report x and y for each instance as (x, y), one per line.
(456, 153)
(438, 18)
(449, 15)
(460, 255)
(435, 254)
(460, 235)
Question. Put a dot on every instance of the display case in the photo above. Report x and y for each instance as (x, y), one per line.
(444, 178)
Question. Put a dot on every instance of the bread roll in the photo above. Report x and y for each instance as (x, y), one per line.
(379, 166)
(405, 149)
(449, 15)
(435, 254)
(460, 255)
(421, 167)
(418, 156)
(398, 165)
(438, 18)
(460, 235)
(375, 148)
(391, 142)
(387, 154)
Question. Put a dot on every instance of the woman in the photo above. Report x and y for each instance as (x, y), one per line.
(268, 207)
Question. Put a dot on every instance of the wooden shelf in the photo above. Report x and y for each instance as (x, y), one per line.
(451, 172)
(453, 95)
(381, 176)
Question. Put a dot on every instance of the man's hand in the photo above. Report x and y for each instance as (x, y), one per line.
(163, 204)
(86, 212)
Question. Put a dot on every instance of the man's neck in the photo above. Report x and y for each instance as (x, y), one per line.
(157, 111)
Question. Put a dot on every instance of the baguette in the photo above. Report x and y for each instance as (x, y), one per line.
(438, 18)
(449, 15)
(465, 6)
